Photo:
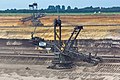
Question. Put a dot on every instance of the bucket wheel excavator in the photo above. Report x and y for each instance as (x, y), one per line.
(65, 57)
(35, 17)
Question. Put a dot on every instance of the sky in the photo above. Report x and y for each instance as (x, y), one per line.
(23, 4)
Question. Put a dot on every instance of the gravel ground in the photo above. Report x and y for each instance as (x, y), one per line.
(39, 72)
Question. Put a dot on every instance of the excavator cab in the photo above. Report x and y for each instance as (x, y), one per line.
(39, 42)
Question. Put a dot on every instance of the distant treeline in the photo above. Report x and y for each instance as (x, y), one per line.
(63, 9)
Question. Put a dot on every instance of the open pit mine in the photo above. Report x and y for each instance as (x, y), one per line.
(66, 47)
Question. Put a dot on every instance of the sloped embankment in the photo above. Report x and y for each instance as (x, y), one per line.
(12, 28)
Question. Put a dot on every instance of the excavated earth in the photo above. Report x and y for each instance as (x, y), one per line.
(20, 60)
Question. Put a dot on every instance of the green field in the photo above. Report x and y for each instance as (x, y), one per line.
(19, 14)
(14, 14)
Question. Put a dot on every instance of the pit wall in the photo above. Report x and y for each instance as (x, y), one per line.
(101, 47)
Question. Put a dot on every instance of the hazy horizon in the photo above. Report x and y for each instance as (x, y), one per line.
(23, 4)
